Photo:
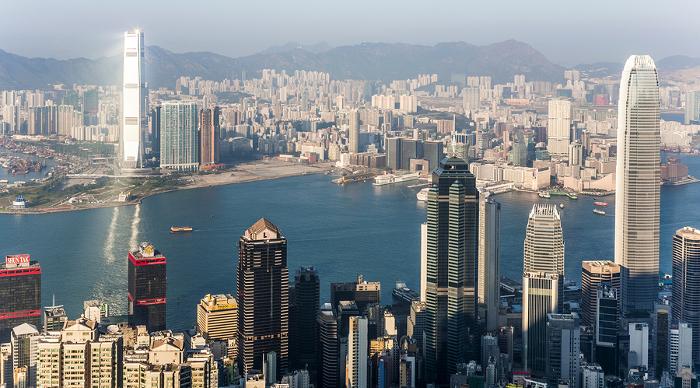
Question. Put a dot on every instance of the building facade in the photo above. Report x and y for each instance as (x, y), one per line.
(686, 283)
(147, 287)
(20, 293)
(179, 136)
(134, 100)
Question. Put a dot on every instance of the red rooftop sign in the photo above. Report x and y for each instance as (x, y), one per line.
(17, 260)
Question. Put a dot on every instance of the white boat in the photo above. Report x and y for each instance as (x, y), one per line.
(599, 212)
(414, 176)
(544, 194)
(385, 179)
(422, 195)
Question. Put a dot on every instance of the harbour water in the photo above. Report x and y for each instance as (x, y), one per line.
(340, 230)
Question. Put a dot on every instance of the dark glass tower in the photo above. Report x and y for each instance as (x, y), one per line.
(452, 264)
(147, 287)
(20, 293)
(328, 348)
(303, 319)
(263, 296)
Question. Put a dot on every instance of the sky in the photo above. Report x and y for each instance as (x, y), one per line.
(567, 32)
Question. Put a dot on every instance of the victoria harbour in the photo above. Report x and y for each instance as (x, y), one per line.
(374, 232)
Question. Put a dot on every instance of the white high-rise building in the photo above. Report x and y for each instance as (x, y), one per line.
(637, 192)
(681, 352)
(356, 363)
(558, 127)
(592, 376)
(639, 345)
(544, 241)
(134, 101)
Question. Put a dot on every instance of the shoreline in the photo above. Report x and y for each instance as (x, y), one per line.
(237, 176)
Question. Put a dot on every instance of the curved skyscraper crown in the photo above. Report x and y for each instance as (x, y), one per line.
(544, 241)
(637, 195)
(134, 101)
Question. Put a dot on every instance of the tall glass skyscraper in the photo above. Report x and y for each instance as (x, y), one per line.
(452, 226)
(637, 196)
(686, 283)
(134, 101)
(179, 138)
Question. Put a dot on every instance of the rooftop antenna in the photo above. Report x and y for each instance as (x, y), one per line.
(53, 299)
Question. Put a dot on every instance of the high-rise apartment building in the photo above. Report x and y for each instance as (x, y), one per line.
(637, 191)
(147, 287)
(179, 137)
(217, 319)
(209, 136)
(594, 273)
(354, 131)
(263, 296)
(489, 278)
(685, 295)
(134, 100)
(24, 355)
(303, 331)
(558, 127)
(452, 218)
(692, 106)
(563, 349)
(20, 293)
(356, 362)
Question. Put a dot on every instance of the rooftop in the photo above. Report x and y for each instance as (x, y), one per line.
(262, 229)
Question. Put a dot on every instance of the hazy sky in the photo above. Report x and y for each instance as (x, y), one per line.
(566, 31)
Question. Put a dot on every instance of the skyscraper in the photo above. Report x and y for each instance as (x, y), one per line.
(692, 106)
(263, 296)
(356, 363)
(179, 140)
(134, 100)
(303, 332)
(328, 352)
(543, 281)
(354, 131)
(637, 191)
(147, 287)
(209, 129)
(680, 355)
(452, 219)
(685, 293)
(558, 127)
(362, 292)
(607, 324)
(594, 273)
(217, 319)
(20, 293)
(563, 349)
(489, 278)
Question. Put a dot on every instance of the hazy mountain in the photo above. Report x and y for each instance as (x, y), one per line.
(678, 62)
(383, 61)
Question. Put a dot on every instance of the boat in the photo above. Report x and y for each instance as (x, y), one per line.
(422, 195)
(384, 179)
(600, 203)
(180, 229)
(599, 212)
(561, 205)
(414, 176)
(544, 194)
(572, 196)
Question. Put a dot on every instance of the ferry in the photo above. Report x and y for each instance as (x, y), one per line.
(544, 194)
(180, 229)
(561, 205)
(600, 203)
(384, 179)
(414, 176)
(422, 195)
(599, 212)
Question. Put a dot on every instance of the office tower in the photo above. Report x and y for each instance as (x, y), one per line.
(217, 320)
(147, 287)
(362, 292)
(263, 295)
(680, 354)
(23, 341)
(20, 293)
(544, 241)
(209, 129)
(576, 154)
(592, 376)
(134, 100)
(155, 131)
(490, 350)
(660, 339)
(563, 349)
(540, 297)
(328, 352)
(354, 131)
(303, 332)
(179, 139)
(558, 127)
(685, 378)
(686, 282)
(638, 356)
(594, 273)
(54, 318)
(452, 218)
(607, 317)
(393, 153)
(356, 362)
(402, 297)
(433, 152)
(423, 260)
(692, 106)
(637, 190)
(489, 278)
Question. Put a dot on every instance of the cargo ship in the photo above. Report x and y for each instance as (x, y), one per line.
(180, 229)
(599, 212)
(600, 203)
